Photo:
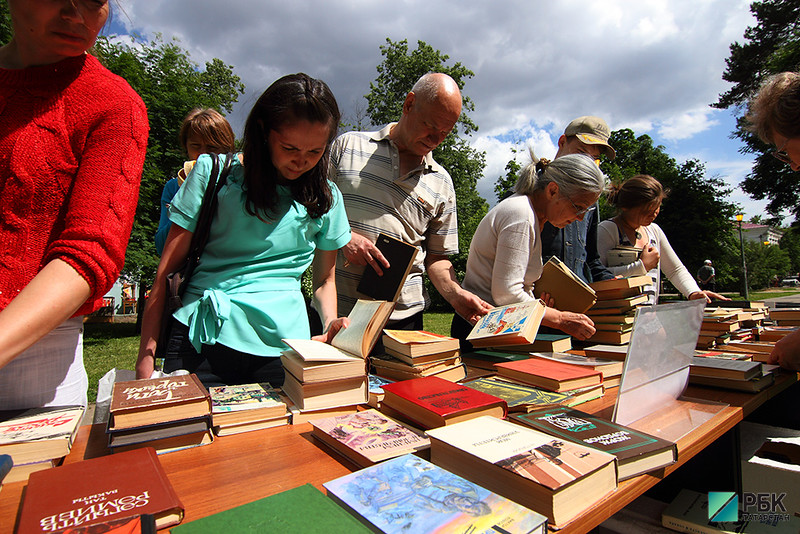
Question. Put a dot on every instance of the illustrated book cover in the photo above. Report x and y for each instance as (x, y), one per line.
(518, 397)
(388, 285)
(432, 401)
(302, 509)
(155, 400)
(548, 374)
(555, 477)
(410, 495)
(39, 434)
(368, 436)
(636, 451)
(514, 324)
(569, 292)
(246, 402)
(100, 489)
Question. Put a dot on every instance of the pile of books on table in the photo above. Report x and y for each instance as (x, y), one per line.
(785, 316)
(730, 370)
(36, 439)
(613, 313)
(580, 382)
(416, 353)
(168, 414)
(717, 327)
(246, 407)
(773, 333)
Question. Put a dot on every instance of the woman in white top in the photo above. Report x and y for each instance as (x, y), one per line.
(505, 255)
(638, 201)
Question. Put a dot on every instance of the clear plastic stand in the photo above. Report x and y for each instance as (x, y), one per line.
(656, 372)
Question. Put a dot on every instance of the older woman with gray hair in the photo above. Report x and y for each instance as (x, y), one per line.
(505, 256)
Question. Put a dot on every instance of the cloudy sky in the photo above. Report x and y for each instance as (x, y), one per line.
(653, 65)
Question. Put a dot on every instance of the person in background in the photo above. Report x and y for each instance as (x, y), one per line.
(774, 115)
(203, 130)
(706, 277)
(277, 213)
(638, 201)
(576, 243)
(391, 183)
(505, 255)
(73, 138)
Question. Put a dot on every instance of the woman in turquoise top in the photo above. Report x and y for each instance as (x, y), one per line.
(277, 213)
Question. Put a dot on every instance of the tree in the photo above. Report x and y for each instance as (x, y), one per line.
(790, 242)
(170, 85)
(5, 23)
(770, 47)
(694, 203)
(504, 185)
(397, 73)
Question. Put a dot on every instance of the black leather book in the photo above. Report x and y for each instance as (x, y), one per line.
(388, 286)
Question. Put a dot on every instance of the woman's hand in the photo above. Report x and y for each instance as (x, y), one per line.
(708, 295)
(577, 325)
(650, 257)
(333, 328)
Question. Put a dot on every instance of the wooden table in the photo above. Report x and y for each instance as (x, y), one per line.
(241, 468)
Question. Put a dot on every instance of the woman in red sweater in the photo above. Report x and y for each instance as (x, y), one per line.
(73, 138)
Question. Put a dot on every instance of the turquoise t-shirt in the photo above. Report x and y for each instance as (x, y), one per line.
(245, 292)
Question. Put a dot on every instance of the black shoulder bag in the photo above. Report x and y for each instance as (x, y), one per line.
(179, 279)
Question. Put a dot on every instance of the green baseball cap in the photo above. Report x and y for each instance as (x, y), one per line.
(592, 131)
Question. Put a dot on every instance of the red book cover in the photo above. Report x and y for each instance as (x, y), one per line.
(98, 490)
(555, 376)
(432, 401)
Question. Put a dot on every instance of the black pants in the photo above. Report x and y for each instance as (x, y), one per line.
(218, 365)
(460, 329)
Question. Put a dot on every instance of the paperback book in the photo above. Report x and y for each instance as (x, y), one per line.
(410, 495)
(514, 324)
(39, 434)
(368, 437)
(558, 478)
(636, 451)
(232, 405)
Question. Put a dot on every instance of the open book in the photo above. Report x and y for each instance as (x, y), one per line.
(367, 319)
(567, 289)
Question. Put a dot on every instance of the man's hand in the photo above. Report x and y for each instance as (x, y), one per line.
(362, 251)
(787, 352)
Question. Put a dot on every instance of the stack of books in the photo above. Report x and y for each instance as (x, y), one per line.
(759, 350)
(431, 402)
(542, 343)
(610, 369)
(728, 373)
(375, 386)
(785, 316)
(168, 414)
(553, 375)
(773, 333)
(37, 439)
(716, 328)
(416, 353)
(613, 313)
(246, 407)
(321, 376)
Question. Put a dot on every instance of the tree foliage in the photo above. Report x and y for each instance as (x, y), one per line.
(171, 85)
(770, 47)
(397, 73)
(694, 217)
(790, 242)
(504, 185)
(5, 24)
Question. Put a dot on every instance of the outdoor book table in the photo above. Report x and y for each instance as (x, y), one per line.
(241, 468)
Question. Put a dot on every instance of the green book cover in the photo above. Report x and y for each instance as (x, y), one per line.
(302, 509)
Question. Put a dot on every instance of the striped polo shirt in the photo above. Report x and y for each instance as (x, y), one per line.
(418, 208)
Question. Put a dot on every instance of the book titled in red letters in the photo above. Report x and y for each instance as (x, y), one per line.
(99, 490)
(549, 375)
(431, 402)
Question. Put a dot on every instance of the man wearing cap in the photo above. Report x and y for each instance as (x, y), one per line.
(576, 243)
(706, 277)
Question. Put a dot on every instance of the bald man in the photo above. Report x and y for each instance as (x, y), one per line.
(391, 184)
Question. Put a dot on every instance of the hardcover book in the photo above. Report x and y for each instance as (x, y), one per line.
(21, 472)
(39, 434)
(544, 343)
(611, 337)
(368, 437)
(636, 451)
(622, 255)
(485, 359)
(753, 385)
(518, 397)
(388, 285)
(232, 405)
(415, 345)
(432, 401)
(558, 478)
(327, 394)
(410, 495)
(608, 368)
(569, 292)
(514, 324)
(367, 319)
(394, 369)
(302, 509)
(548, 374)
(622, 283)
(139, 524)
(142, 402)
(164, 437)
(784, 314)
(626, 302)
(724, 368)
(321, 371)
(609, 352)
(97, 490)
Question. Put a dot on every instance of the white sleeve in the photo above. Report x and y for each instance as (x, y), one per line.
(608, 238)
(515, 244)
(672, 267)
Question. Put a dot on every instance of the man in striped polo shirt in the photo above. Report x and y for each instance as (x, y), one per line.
(391, 184)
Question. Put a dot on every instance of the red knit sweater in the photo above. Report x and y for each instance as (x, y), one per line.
(73, 138)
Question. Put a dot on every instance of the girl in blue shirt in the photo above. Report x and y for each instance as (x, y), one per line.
(277, 213)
